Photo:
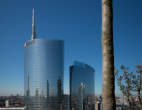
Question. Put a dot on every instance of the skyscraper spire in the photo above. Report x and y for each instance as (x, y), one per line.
(33, 26)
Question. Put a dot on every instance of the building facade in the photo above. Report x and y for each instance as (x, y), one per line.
(81, 87)
(43, 60)
(43, 72)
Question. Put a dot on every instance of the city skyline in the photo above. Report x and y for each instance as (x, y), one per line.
(78, 23)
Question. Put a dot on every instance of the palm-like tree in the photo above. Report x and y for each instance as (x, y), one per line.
(108, 92)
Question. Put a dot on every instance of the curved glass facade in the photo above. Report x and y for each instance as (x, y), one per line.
(43, 68)
(81, 87)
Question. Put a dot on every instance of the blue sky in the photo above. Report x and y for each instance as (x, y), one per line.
(78, 23)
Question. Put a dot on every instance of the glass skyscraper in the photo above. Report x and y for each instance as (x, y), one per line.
(43, 68)
(81, 86)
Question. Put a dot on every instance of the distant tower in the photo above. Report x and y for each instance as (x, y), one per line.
(6, 103)
(81, 95)
(59, 86)
(47, 88)
(28, 88)
(33, 26)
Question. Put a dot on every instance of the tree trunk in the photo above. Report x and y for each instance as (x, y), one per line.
(108, 92)
(129, 103)
(139, 99)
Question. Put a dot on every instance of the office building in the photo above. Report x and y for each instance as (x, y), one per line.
(81, 86)
(43, 70)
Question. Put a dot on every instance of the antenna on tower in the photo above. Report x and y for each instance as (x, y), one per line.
(33, 26)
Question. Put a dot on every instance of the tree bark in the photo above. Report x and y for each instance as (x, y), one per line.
(139, 99)
(108, 92)
(129, 103)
